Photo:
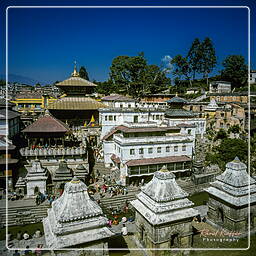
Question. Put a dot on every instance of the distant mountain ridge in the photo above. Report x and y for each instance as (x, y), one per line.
(21, 79)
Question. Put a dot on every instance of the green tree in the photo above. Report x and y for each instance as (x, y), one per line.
(234, 129)
(227, 151)
(194, 57)
(208, 58)
(83, 73)
(221, 134)
(235, 70)
(133, 76)
(181, 67)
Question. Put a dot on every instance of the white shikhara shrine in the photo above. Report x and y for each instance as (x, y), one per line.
(75, 219)
(164, 213)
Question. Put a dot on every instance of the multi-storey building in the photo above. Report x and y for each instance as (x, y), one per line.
(138, 150)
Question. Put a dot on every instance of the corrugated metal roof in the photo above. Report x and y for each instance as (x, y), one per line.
(76, 103)
(75, 81)
(10, 114)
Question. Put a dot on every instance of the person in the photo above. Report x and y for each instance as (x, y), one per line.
(19, 235)
(110, 223)
(25, 235)
(27, 251)
(124, 230)
(37, 200)
(124, 219)
(38, 250)
(16, 253)
(37, 233)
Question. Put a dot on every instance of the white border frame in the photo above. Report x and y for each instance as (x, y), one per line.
(136, 7)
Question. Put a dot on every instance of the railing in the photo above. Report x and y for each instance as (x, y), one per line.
(52, 151)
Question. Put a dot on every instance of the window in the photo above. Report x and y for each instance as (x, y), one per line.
(189, 131)
(121, 105)
(159, 150)
(135, 119)
(168, 149)
(114, 118)
(184, 148)
(129, 105)
(110, 118)
(176, 148)
(150, 150)
(157, 117)
(141, 151)
(132, 151)
(119, 149)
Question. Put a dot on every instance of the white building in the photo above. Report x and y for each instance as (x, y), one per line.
(253, 77)
(140, 149)
(112, 117)
(118, 101)
(220, 87)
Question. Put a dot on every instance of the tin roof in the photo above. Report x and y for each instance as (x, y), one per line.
(117, 97)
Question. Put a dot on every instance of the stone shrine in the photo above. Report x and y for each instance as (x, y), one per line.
(75, 220)
(36, 178)
(163, 214)
(20, 186)
(229, 198)
(61, 176)
(81, 172)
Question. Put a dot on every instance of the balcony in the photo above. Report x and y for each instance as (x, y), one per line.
(51, 151)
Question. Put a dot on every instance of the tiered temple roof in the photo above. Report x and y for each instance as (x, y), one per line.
(74, 218)
(162, 200)
(176, 108)
(20, 183)
(212, 106)
(47, 124)
(36, 172)
(63, 173)
(81, 172)
(234, 184)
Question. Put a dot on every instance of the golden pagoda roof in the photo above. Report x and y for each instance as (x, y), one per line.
(76, 103)
(76, 81)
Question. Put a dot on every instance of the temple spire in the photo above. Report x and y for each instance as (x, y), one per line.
(75, 73)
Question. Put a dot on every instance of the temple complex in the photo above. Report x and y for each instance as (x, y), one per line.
(76, 106)
(229, 198)
(163, 214)
(75, 220)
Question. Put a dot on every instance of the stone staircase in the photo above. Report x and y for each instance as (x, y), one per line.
(101, 167)
(23, 215)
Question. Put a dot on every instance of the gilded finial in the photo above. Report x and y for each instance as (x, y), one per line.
(75, 73)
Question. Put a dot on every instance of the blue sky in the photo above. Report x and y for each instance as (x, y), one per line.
(43, 43)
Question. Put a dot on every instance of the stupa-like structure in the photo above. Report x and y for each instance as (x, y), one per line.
(36, 178)
(229, 198)
(76, 221)
(20, 186)
(62, 175)
(81, 172)
(163, 213)
(212, 106)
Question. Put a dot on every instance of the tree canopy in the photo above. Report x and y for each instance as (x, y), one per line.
(133, 76)
(235, 70)
(83, 73)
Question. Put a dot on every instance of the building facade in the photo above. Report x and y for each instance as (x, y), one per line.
(139, 150)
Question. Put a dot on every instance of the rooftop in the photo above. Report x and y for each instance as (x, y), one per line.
(176, 99)
(76, 81)
(47, 124)
(162, 200)
(232, 186)
(10, 114)
(76, 103)
(158, 160)
(116, 97)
